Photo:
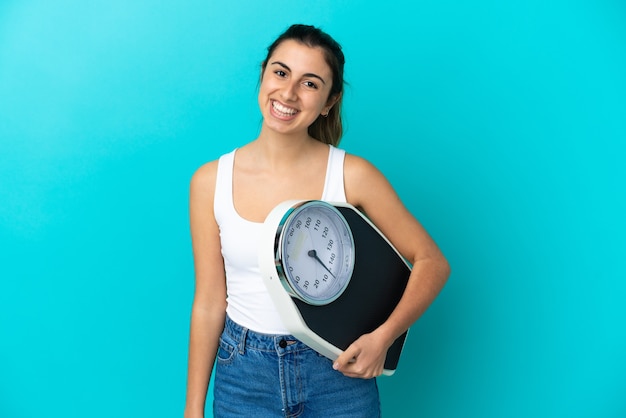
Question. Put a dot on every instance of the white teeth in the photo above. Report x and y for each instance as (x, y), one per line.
(287, 111)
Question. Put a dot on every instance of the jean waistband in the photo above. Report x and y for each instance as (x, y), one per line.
(247, 338)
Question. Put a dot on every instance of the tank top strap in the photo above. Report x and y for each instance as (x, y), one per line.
(334, 190)
(223, 199)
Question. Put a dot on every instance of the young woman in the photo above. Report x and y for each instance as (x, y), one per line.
(262, 371)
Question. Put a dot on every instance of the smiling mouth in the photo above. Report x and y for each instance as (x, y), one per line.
(283, 111)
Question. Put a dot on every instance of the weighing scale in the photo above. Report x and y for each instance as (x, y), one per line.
(332, 275)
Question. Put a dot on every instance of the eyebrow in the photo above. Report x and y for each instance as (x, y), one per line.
(306, 75)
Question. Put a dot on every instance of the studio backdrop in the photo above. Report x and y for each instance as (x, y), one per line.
(500, 124)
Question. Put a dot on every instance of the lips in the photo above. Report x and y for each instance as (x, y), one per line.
(282, 110)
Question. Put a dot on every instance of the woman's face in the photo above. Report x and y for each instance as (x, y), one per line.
(295, 88)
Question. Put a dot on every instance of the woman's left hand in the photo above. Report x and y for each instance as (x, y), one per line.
(364, 358)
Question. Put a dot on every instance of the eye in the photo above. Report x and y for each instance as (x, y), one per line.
(310, 85)
(280, 73)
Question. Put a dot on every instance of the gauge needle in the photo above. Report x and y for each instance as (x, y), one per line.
(313, 253)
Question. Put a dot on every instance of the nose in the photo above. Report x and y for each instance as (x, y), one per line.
(289, 91)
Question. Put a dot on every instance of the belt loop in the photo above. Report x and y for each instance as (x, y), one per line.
(242, 340)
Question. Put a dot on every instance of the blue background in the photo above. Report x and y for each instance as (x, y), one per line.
(501, 124)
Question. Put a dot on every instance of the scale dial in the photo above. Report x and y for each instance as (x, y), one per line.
(315, 252)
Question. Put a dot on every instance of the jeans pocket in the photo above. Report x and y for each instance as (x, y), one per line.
(225, 352)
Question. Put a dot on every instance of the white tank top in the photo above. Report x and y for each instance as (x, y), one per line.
(249, 303)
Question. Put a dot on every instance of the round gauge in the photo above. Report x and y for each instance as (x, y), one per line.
(315, 252)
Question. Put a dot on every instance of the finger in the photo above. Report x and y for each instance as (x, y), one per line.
(346, 358)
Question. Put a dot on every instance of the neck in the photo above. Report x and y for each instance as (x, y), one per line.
(273, 141)
(276, 150)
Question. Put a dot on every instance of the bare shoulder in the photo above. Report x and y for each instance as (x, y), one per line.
(356, 166)
(364, 181)
(205, 173)
(203, 180)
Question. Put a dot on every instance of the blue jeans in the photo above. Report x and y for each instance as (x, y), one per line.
(261, 375)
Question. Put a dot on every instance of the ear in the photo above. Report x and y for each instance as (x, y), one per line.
(331, 102)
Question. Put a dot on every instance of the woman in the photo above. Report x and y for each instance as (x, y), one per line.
(261, 371)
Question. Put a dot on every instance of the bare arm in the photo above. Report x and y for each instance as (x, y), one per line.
(209, 304)
(369, 190)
